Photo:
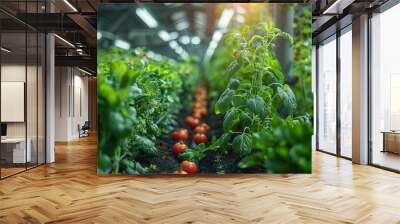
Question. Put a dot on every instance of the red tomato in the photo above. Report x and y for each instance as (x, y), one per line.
(189, 167)
(192, 121)
(200, 97)
(199, 104)
(205, 126)
(180, 172)
(203, 111)
(177, 148)
(200, 129)
(197, 114)
(180, 135)
(200, 138)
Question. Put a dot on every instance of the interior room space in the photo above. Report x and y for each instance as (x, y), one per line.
(22, 99)
(75, 90)
(385, 89)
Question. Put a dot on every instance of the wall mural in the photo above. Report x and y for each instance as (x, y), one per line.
(204, 88)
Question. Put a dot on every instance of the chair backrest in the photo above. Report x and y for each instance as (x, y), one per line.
(86, 124)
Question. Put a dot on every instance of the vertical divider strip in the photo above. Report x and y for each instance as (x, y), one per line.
(338, 100)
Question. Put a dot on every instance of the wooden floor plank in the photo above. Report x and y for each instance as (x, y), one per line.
(70, 191)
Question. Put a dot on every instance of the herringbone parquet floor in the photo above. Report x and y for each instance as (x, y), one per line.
(69, 191)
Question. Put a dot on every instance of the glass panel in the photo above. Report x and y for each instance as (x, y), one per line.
(31, 97)
(346, 94)
(327, 96)
(385, 84)
(41, 99)
(13, 86)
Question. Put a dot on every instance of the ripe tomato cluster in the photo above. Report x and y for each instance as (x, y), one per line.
(200, 129)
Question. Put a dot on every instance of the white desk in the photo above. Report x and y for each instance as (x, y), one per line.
(18, 149)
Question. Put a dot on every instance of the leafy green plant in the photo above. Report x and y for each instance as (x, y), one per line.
(138, 100)
(285, 148)
(255, 96)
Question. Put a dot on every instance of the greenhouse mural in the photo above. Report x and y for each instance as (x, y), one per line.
(199, 89)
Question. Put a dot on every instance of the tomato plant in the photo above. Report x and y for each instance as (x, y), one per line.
(139, 99)
(255, 94)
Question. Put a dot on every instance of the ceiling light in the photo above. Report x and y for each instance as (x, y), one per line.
(196, 40)
(70, 5)
(179, 50)
(173, 44)
(337, 7)
(179, 15)
(217, 36)
(122, 44)
(182, 25)
(164, 35)
(65, 41)
(84, 71)
(5, 50)
(185, 39)
(147, 17)
(173, 35)
(225, 18)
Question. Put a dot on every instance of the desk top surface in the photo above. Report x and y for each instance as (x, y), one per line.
(391, 132)
(13, 140)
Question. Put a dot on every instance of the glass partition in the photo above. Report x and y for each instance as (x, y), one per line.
(385, 89)
(14, 153)
(23, 91)
(327, 96)
(346, 93)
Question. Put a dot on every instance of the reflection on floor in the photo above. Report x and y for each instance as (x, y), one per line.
(8, 170)
(70, 191)
(386, 159)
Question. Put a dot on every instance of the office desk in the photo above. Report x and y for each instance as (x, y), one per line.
(13, 150)
(391, 141)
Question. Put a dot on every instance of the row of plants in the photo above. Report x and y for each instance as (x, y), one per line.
(139, 99)
(261, 123)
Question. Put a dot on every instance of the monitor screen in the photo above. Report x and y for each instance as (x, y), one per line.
(3, 129)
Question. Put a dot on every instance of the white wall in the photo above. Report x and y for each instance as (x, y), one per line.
(71, 102)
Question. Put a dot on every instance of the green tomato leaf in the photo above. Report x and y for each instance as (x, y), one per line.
(257, 106)
(188, 154)
(224, 102)
(233, 84)
(245, 119)
(118, 69)
(146, 145)
(250, 162)
(242, 144)
(288, 98)
(224, 140)
(230, 119)
(232, 68)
